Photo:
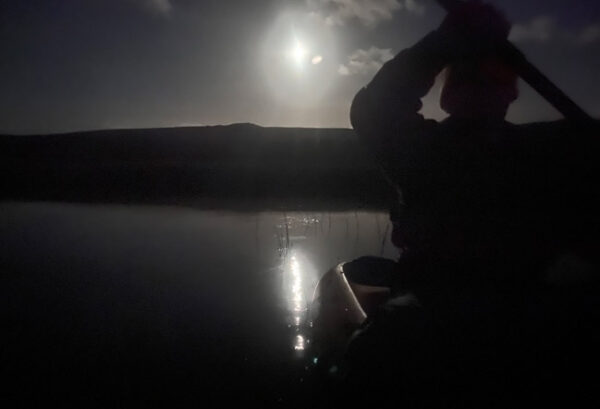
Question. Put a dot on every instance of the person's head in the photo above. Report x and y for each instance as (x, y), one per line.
(482, 89)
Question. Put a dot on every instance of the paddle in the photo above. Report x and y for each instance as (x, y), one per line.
(534, 77)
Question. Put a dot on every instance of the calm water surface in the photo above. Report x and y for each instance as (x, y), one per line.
(196, 304)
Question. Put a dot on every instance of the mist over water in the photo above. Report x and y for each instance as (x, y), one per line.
(194, 301)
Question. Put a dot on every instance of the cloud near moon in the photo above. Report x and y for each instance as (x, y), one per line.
(365, 62)
(368, 12)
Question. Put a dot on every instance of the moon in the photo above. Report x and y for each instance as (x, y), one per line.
(298, 60)
(299, 53)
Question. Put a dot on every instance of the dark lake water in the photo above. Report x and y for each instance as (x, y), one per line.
(111, 305)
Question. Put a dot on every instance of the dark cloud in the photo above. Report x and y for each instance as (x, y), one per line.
(540, 29)
(589, 34)
(544, 29)
(157, 6)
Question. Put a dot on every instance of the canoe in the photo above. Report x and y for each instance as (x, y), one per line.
(338, 309)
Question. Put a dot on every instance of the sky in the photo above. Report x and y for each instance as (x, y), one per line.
(71, 65)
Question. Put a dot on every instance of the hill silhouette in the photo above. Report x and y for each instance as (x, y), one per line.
(240, 166)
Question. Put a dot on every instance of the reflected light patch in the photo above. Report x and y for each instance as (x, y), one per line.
(299, 343)
(316, 59)
(299, 281)
(297, 288)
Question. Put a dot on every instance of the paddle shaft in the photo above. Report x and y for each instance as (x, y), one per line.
(534, 77)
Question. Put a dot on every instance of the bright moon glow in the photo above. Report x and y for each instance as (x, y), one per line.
(298, 53)
(298, 62)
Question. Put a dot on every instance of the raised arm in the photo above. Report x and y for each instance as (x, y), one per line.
(385, 114)
(392, 99)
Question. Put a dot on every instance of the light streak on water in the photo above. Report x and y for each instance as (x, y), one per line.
(300, 239)
(299, 281)
(299, 343)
